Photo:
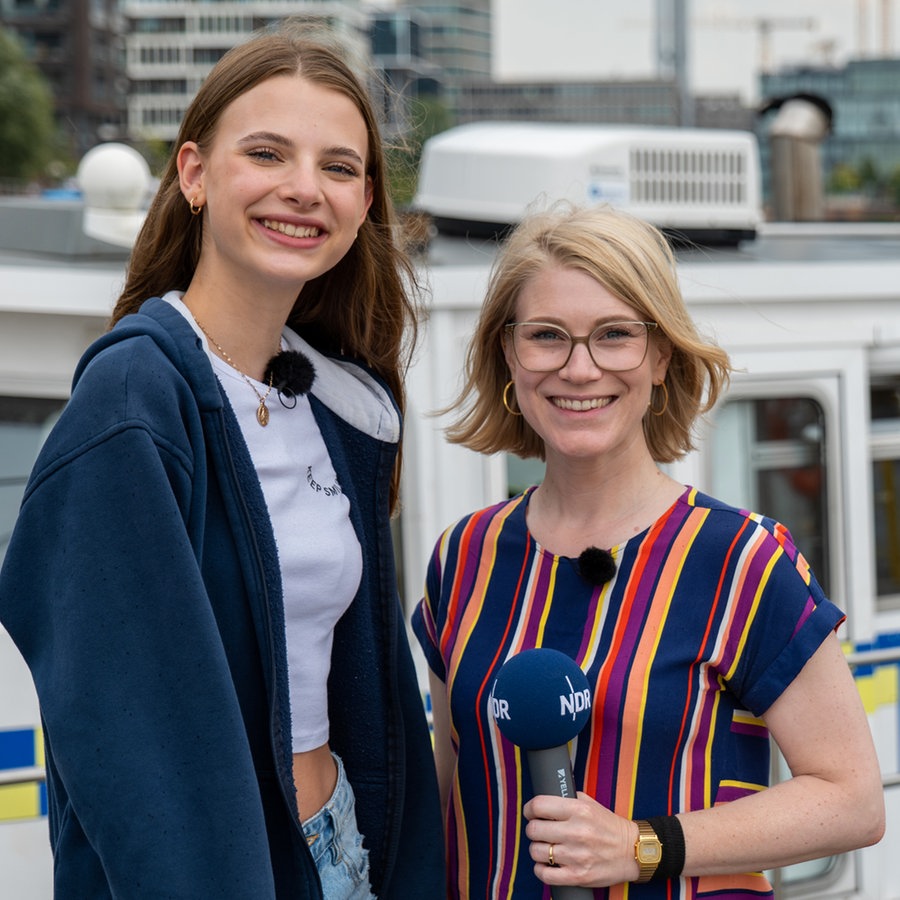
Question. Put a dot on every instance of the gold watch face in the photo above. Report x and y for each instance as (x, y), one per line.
(649, 852)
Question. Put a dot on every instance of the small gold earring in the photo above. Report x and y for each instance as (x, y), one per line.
(509, 409)
(195, 210)
(665, 405)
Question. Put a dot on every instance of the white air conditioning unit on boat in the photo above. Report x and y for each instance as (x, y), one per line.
(702, 185)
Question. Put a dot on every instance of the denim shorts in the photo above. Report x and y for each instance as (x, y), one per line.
(336, 844)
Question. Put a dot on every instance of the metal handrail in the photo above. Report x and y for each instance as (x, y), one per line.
(873, 657)
(25, 775)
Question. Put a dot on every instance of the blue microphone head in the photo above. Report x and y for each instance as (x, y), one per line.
(540, 699)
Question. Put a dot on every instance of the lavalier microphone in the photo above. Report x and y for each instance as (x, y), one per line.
(292, 374)
(596, 566)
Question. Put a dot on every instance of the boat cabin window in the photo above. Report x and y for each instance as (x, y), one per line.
(885, 452)
(769, 457)
(24, 424)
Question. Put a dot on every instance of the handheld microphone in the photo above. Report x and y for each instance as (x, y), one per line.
(541, 700)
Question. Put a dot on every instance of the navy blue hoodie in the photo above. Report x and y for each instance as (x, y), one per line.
(141, 586)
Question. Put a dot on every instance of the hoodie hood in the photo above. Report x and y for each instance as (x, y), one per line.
(348, 389)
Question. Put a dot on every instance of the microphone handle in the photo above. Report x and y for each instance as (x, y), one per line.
(551, 773)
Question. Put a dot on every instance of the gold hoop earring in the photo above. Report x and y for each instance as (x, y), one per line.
(509, 409)
(665, 405)
(195, 210)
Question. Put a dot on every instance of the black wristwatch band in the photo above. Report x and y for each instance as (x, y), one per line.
(668, 830)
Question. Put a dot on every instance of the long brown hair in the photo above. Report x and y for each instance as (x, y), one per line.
(366, 306)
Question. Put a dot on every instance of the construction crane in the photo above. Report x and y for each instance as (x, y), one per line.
(672, 24)
(764, 26)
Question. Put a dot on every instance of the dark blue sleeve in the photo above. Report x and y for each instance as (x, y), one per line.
(152, 787)
(793, 618)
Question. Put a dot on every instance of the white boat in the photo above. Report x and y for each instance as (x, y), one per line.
(809, 433)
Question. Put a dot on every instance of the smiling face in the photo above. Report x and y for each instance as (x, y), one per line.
(283, 185)
(582, 411)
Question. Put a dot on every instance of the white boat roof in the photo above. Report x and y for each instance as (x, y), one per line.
(47, 263)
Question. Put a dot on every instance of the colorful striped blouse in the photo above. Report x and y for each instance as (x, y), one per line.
(712, 612)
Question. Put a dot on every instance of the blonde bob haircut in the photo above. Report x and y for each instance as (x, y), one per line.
(632, 260)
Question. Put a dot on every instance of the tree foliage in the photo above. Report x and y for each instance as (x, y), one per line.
(893, 187)
(844, 179)
(27, 131)
(427, 117)
(878, 187)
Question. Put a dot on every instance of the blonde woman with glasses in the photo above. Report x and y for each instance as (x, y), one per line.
(699, 626)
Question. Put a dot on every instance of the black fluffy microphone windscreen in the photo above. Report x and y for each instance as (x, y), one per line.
(291, 372)
(596, 566)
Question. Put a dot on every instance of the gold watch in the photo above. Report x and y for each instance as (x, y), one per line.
(647, 851)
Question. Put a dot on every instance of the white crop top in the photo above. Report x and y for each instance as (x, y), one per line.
(318, 550)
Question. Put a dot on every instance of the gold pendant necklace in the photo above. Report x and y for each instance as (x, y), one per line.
(262, 412)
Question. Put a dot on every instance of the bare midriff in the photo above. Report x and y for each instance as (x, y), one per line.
(315, 775)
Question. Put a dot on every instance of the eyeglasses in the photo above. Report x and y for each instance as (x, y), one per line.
(614, 346)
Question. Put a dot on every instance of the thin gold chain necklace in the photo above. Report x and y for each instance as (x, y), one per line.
(262, 412)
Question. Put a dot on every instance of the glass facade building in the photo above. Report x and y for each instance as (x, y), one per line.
(865, 101)
(172, 45)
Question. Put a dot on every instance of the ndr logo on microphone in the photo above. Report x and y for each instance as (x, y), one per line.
(570, 704)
